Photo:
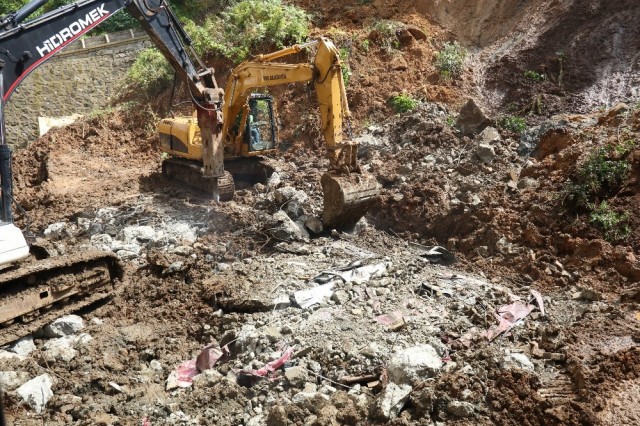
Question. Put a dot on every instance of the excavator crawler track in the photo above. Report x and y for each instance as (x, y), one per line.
(39, 291)
(347, 199)
(190, 173)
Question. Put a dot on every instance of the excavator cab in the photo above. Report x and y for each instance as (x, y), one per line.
(261, 131)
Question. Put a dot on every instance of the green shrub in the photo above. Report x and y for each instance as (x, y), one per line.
(202, 40)
(249, 25)
(150, 72)
(535, 76)
(513, 123)
(450, 60)
(450, 120)
(403, 103)
(364, 45)
(601, 174)
(613, 224)
(346, 69)
(387, 30)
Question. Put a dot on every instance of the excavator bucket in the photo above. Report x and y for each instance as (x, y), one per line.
(347, 199)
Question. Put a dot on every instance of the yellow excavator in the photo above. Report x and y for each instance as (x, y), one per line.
(249, 132)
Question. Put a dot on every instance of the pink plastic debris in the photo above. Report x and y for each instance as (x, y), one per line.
(146, 422)
(507, 316)
(273, 365)
(186, 372)
(210, 355)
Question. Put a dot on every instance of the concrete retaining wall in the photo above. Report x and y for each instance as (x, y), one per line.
(80, 79)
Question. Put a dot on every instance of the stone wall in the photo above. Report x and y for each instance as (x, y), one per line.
(79, 80)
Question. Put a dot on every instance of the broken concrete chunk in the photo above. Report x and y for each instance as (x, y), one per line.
(488, 136)
(288, 193)
(471, 119)
(414, 364)
(313, 296)
(293, 209)
(391, 401)
(23, 346)
(59, 349)
(285, 229)
(296, 376)
(36, 392)
(64, 326)
(57, 231)
(312, 401)
(340, 297)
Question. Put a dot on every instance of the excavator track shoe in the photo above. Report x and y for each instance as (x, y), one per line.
(190, 174)
(347, 199)
(36, 293)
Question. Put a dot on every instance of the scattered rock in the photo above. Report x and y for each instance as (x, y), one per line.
(391, 401)
(274, 181)
(11, 380)
(405, 169)
(288, 194)
(57, 231)
(285, 229)
(340, 297)
(518, 361)
(486, 153)
(64, 326)
(23, 346)
(59, 349)
(293, 209)
(587, 295)
(296, 376)
(471, 119)
(313, 224)
(461, 409)
(489, 136)
(207, 379)
(312, 401)
(414, 364)
(36, 392)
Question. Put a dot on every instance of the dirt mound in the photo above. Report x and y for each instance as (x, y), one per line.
(95, 161)
(507, 212)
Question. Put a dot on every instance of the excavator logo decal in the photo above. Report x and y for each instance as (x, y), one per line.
(75, 28)
(275, 77)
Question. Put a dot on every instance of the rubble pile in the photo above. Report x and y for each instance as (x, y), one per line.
(318, 328)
